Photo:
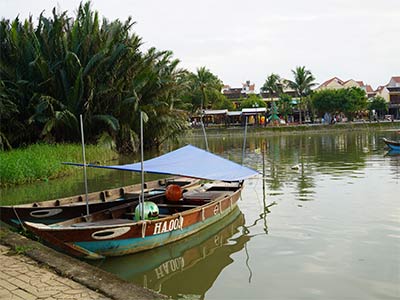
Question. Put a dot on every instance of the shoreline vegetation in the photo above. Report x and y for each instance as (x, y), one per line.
(296, 129)
(43, 161)
(59, 68)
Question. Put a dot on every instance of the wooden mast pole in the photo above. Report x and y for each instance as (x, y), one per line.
(84, 165)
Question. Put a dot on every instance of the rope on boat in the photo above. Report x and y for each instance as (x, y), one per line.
(20, 222)
(144, 225)
(202, 214)
(181, 221)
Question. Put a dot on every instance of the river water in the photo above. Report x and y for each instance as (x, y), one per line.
(322, 223)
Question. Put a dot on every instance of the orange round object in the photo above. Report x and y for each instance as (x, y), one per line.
(173, 192)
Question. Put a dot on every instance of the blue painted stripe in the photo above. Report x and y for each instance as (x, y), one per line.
(125, 246)
(394, 147)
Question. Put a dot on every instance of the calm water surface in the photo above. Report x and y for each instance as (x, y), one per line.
(323, 223)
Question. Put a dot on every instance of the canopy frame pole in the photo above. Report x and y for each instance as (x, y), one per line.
(142, 166)
(84, 165)
(244, 139)
(204, 129)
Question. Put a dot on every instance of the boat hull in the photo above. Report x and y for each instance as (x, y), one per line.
(131, 237)
(59, 210)
(392, 144)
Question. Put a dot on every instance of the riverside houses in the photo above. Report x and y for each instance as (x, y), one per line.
(391, 93)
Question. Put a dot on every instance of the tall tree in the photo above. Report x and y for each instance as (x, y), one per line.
(302, 84)
(64, 67)
(378, 104)
(285, 106)
(272, 85)
(205, 81)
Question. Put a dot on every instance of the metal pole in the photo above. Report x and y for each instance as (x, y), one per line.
(141, 164)
(204, 130)
(84, 165)
(244, 139)
(263, 175)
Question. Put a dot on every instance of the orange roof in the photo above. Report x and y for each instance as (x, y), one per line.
(369, 89)
(396, 78)
(330, 80)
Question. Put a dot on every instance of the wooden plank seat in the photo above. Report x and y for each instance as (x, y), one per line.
(103, 222)
(166, 205)
(208, 195)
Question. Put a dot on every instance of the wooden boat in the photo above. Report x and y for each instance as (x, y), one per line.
(392, 144)
(115, 232)
(208, 251)
(122, 229)
(58, 210)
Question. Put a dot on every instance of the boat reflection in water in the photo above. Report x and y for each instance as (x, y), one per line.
(186, 267)
(392, 152)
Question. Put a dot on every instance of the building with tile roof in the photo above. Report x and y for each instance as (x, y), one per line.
(337, 83)
(391, 93)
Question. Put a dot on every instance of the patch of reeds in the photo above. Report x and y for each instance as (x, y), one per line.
(44, 161)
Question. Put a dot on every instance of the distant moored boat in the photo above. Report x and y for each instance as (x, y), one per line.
(392, 144)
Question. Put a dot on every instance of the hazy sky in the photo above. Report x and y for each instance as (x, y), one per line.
(248, 40)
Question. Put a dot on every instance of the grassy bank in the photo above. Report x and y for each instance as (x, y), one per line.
(43, 162)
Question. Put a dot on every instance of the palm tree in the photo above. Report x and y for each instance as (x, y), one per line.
(302, 84)
(64, 67)
(206, 81)
(272, 85)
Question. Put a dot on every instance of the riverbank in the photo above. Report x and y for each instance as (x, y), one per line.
(44, 161)
(32, 271)
(214, 130)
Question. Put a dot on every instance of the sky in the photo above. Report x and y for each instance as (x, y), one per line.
(249, 40)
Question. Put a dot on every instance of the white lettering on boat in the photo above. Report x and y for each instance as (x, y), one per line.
(168, 226)
(170, 266)
(109, 233)
(216, 209)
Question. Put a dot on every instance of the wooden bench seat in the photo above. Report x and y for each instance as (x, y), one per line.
(166, 205)
(208, 195)
(103, 222)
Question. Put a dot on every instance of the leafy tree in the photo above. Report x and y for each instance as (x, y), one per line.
(302, 84)
(326, 101)
(252, 101)
(64, 67)
(224, 103)
(285, 105)
(347, 101)
(378, 104)
(353, 100)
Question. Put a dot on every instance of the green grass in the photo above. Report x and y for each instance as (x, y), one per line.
(43, 162)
